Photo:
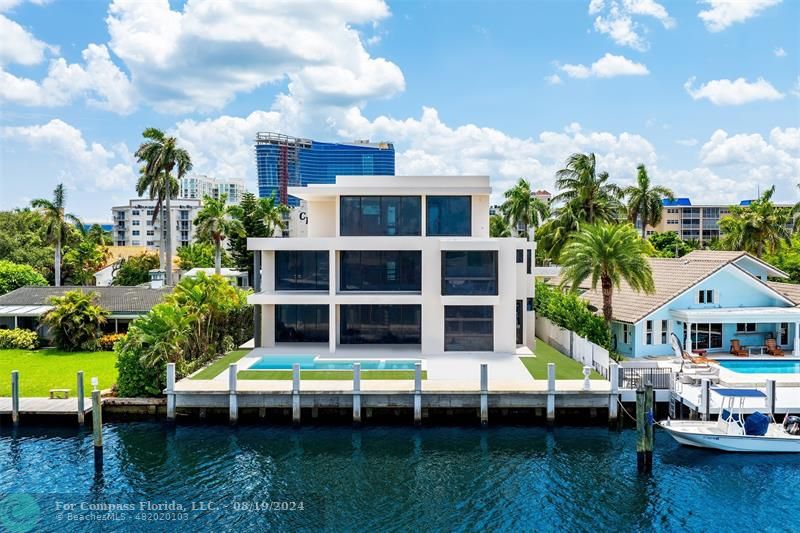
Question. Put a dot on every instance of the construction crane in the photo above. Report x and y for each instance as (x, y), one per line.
(288, 168)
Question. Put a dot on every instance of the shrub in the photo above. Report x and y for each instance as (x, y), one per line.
(14, 276)
(107, 342)
(75, 321)
(136, 379)
(19, 339)
(568, 310)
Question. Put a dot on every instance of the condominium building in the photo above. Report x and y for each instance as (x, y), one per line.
(396, 261)
(134, 224)
(199, 186)
(283, 162)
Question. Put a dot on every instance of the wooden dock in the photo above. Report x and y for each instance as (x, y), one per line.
(45, 406)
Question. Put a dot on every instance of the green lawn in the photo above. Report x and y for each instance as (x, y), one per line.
(42, 370)
(566, 368)
(329, 374)
(220, 365)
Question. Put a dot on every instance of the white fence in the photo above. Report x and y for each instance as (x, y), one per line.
(572, 344)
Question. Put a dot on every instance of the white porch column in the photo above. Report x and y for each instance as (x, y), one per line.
(796, 349)
(333, 322)
(688, 346)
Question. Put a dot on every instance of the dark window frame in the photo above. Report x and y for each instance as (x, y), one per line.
(407, 271)
(351, 223)
(301, 329)
(321, 283)
(448, 288)
(529, 267)
(445, 233)
(397, 324)
(456, 319)
(520, 255)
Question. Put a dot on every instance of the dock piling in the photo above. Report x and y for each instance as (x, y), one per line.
(484, 394)
(771, 399)
(356, 393)
(644, 429)
(417, 393)
(551, 389)
(170, 391)
(587, 383)
(15, 397)
(233, 403)
(80, 398)
(97, 425)
(296, 394)
(705, 399)
(613, 398)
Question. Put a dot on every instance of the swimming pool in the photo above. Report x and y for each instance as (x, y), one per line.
(762, 367)
(313, 362)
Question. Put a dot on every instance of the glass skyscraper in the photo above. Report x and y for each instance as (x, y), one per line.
(290, 161)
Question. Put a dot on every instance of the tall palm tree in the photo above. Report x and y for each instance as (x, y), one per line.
(522, 208)
(155, 187)
(273, 214)
(608, 253)
(588, 192)
(758, 227)
(58, 224)
(215, 222)
(645, 200)
(498, 226)
(161, 155)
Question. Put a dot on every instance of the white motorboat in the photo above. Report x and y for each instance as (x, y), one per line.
(731, 432)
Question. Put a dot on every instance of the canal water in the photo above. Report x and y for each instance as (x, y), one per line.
(216, 478)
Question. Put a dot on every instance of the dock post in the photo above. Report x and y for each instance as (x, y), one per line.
(644, 429)
(170, 391)
(613, 398)
(97, 425)
(551, 389)
(356, 393)
(771, 399)
(80, 398)
(484, 394)
(296, 394)
(417, 393)
(705, 399)
(587, 383)
(15, 397)
(233, 403)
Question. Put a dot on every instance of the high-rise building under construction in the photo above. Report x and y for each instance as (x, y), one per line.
(283, 161)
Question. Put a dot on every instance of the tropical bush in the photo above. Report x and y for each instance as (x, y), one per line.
(18, 339)
(568, 310)
(107, 342)
(75, 321)
(204, 317)
(14, 276)
(137, 379)
(135, 270)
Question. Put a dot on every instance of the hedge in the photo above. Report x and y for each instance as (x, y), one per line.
(18, 339)
(568, 310)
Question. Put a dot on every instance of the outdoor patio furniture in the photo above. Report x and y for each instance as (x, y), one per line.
(772, 348)
(736, 348)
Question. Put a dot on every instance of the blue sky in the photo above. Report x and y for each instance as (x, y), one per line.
(706, 94)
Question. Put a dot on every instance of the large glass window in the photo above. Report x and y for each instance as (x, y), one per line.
(301, 323)
(380, 324)
(469, 328)
(305, 270)
(449, 215)
(706, 336)
(469, 272)
(380, 215)
(398, 270)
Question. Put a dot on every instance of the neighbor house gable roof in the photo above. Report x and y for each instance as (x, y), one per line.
(115, 299)
(724, 256)
(789, 290)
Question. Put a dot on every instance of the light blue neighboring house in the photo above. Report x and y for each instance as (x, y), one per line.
(707, 299)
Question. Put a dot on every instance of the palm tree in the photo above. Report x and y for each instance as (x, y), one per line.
(758, 227)
(522, 208)
(587, 192)
(58, 223)
(75, 321)
(273, 214)
(609, 253)
(498, 226)
(215, 222)
(645, 201)
(161, 155)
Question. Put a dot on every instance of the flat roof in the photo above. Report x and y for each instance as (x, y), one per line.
(396, 185)
(738, 314)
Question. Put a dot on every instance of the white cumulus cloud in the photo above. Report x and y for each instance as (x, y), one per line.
(616, 19)
(608, 66)
(737, 92)
(779, 52)
(724, 13)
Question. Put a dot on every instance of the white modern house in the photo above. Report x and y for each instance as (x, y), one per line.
(402, 261)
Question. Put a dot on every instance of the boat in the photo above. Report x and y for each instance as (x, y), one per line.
(733, 432)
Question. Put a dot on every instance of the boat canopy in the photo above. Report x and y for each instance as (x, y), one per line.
(739, 393)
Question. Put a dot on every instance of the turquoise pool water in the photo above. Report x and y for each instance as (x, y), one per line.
(762, 367)
(388, 479)
(313, 362)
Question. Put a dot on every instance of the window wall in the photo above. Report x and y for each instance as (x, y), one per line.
(380, 324)
(305, 270)
(301, 323)
(706, 336)
(380, 215)
(469, 328)
(469, 272)
(398, 270)
(449, 216)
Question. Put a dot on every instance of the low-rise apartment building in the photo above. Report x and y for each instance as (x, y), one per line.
(134, 224)
(396, 261)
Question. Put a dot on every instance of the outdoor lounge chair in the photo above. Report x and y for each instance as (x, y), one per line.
(772, 348)
(737, 350)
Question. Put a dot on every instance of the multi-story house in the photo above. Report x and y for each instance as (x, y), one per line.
(396, 261)
(199, 186)
(134, 225)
